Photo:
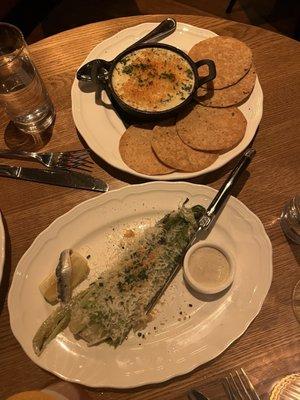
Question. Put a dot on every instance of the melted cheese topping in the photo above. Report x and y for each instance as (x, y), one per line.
(153, 79)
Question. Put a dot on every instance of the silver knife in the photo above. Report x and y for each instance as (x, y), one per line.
(205, 223)
(55, 176)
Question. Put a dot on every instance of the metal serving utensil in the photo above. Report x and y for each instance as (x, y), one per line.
(238, 386)
(86, 73)
(209, 218)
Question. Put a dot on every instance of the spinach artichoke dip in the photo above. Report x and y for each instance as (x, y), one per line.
(153, 79)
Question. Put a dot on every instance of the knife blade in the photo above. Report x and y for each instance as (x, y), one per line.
(54, 176)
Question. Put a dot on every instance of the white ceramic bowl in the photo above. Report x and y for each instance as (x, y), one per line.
(201, 287)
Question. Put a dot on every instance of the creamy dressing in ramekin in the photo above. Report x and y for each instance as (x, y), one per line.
(153, 79)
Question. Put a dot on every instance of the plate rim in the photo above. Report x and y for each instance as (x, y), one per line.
(167, 177)
(102, 199)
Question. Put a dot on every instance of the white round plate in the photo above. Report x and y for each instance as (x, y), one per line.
(180, 342)
(2, 247)
(101, 128)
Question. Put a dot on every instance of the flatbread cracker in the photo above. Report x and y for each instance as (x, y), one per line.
(171, 150)
(232, 57)
(211, 129)
(230, 96)
(136, 151)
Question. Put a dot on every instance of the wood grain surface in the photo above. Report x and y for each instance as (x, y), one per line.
(270, 348)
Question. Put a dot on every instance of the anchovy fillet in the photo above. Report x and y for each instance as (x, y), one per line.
(63, 274)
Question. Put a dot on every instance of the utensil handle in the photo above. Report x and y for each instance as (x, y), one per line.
(227, 186)
(165, 28)
(17, 154)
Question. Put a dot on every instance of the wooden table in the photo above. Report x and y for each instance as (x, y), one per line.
(270, 348)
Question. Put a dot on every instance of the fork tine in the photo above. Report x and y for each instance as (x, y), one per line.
(243, 386)
(251, 387)
(236, 386)
(239, 387)
(70, 163)
(71, 156)
(77, 162)
(228, 389)
(86, 160)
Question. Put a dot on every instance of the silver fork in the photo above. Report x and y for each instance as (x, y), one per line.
(63, 159)
(239, 387)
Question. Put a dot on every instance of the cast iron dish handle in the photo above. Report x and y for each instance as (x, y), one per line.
(100, 75)
(211, 71)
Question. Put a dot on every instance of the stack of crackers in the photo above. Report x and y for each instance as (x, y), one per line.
(209, 127)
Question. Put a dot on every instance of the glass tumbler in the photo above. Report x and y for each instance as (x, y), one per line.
(22, 92)
(290, 219)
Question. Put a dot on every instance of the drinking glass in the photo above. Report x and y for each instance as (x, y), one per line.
(290, 219)
(22, 92)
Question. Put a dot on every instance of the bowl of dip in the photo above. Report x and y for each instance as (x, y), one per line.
(154, 81)
(208, 268)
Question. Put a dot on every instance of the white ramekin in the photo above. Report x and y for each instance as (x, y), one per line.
(200, 286)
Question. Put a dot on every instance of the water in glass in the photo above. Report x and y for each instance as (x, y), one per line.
(22, 92)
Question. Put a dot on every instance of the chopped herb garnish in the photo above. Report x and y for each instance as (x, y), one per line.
(189, 73)
(142, 274)
(124, 61)
(168, 75)
(186, 86)
(127, 69)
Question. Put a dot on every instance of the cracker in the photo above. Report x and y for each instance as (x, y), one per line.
(211, 129)
(230, 96)
(136, 151)
(232, 57)
(171, 150)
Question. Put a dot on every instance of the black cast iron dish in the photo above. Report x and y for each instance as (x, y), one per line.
(102, 73)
